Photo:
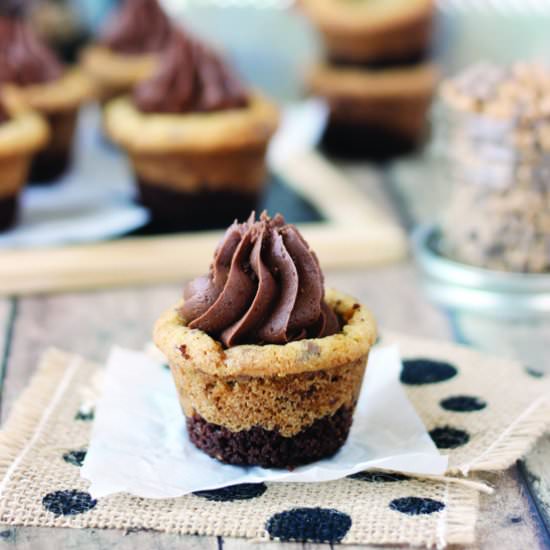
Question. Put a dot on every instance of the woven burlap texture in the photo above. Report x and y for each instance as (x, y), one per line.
(45, 424)
(517, 408)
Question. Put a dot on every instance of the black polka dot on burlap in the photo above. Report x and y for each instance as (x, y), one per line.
(378, 477)
(463, 403)
(416, 506)
(68, 503)
(76, 458)
(244, 491)
(321, 525)
(416, 372)
(85, 416)
(448, 437)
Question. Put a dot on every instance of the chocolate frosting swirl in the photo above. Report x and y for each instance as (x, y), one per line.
(24, 58)
(191, 77)
(264, 286)
(140, 27)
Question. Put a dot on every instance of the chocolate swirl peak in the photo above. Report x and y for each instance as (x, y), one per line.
(24, 58)
(140, 27)
(265, 286)
(191, 77)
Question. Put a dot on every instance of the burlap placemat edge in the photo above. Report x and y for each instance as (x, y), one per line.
(33, 407)
(515, 442)
(459, 524)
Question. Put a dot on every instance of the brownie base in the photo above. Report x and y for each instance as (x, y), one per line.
(411, 59)
(47, 167)
(269, 449)
(8, 212)
(180, 211)
(365, 142)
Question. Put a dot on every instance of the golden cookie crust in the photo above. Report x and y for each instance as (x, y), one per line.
(115, 70)
(372, 30)
(231, 129)
(400, 82)
(203, 353)
(64, 94)
(287, 404)
(25, 132)
(364, 17)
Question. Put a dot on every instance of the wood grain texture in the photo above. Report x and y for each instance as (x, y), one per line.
(536, 468)
(507, 521)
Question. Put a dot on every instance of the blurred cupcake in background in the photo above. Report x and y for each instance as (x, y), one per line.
(22, 133)
(127, 50)
(45, 85)
(376, 77)
(391, 31)
(58, 23)
(196, 138)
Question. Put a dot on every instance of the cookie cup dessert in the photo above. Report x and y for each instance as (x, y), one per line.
(44, 85)
(127, 50)
(374, 113)
(22, 133)
(115, 74)
(59, 102)
(195, 138)
(272, 405)
(367, 31)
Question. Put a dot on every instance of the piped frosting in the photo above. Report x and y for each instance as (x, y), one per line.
(265, 286)
(24, 58)
(191, 78)
(140, 27)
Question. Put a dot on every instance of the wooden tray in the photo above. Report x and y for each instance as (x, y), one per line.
(354, 233)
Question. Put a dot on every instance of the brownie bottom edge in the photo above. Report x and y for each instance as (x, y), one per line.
(364, 141)
(48, 166)
(8, 212)
(182, 211)
(268, 448)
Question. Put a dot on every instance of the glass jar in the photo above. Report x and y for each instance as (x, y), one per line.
(494, 127)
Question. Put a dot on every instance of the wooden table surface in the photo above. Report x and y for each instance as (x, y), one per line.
(516, 516)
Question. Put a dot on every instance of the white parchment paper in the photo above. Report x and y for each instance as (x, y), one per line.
(139, 443)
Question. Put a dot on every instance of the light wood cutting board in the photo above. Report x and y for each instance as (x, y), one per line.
(357, 233)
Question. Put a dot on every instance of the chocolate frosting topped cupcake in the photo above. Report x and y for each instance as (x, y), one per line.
(24, 58)
(279, 405)
(264, 286)
(191, 78)
(141, 26)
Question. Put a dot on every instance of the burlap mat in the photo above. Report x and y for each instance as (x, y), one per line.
(44, 440)
(486, 414)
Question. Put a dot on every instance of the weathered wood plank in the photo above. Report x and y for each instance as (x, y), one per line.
(536, 468)
(88, 324)
(33, 538)
(7, 306)
(7, 318)
(506, 519)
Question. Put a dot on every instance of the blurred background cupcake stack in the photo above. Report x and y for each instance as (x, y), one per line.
(377, 76)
